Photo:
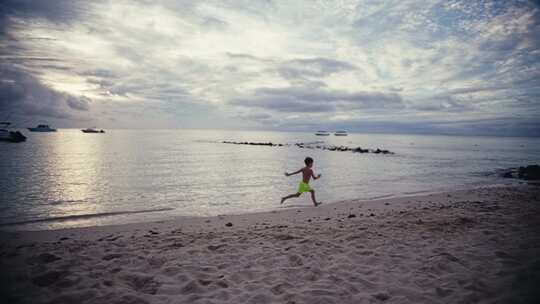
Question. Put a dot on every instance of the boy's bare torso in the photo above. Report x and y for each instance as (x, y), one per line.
(306, 174)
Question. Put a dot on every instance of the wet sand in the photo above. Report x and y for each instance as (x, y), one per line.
(474, 246)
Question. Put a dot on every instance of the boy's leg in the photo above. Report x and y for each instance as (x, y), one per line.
(313, 198)
(297, 194)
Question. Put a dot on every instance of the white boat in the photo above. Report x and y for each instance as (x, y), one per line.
(341, 133)
(92, 130)
(10, 136)
(42, 128)
(322, 133)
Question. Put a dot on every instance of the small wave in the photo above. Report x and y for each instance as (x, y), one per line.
(82, 216)
(58, 202)
(417, 192)
(380, 197)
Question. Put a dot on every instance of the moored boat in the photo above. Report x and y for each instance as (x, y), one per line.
(92, 130)
(322, 133)
(42, 128)
(341, 133)
(10, 136)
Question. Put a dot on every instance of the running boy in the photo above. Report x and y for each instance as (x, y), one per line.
(307, 174)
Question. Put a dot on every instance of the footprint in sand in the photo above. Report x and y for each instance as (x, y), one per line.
(141, 283)
(295, 260)
(111, 256)
(49, 278)
(192, 287)
(44, 258)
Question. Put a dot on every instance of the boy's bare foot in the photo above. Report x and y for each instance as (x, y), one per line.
(282, 200)
(318, 204)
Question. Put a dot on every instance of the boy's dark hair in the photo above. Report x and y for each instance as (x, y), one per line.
(308, 161)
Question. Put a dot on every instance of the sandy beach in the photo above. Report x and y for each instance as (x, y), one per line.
(471, 246)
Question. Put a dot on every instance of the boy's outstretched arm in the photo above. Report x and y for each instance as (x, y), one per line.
(296, 172)
(315, 177)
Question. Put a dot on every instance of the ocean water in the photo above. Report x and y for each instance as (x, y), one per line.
(71, 179)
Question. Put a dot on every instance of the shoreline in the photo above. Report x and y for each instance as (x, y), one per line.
(20, 226)
(461, 246)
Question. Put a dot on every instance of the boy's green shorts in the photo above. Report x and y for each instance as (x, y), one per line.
(303, 187)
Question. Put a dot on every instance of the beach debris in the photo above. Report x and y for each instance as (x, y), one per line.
(314, 145)
(351, 215)
(229, 224)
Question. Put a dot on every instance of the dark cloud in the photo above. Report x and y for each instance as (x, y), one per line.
(442, 103)
(306, 99)
(286, 104)
(24, 95)
(57, 11)
(80, 104)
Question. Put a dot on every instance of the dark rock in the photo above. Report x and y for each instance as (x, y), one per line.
(360, 150)
(371, 214)
(508, 174)
(229, 224)
(351, 215)
(311, 146)
(529, 172)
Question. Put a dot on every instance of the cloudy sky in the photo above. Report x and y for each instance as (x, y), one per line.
(451, 67)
